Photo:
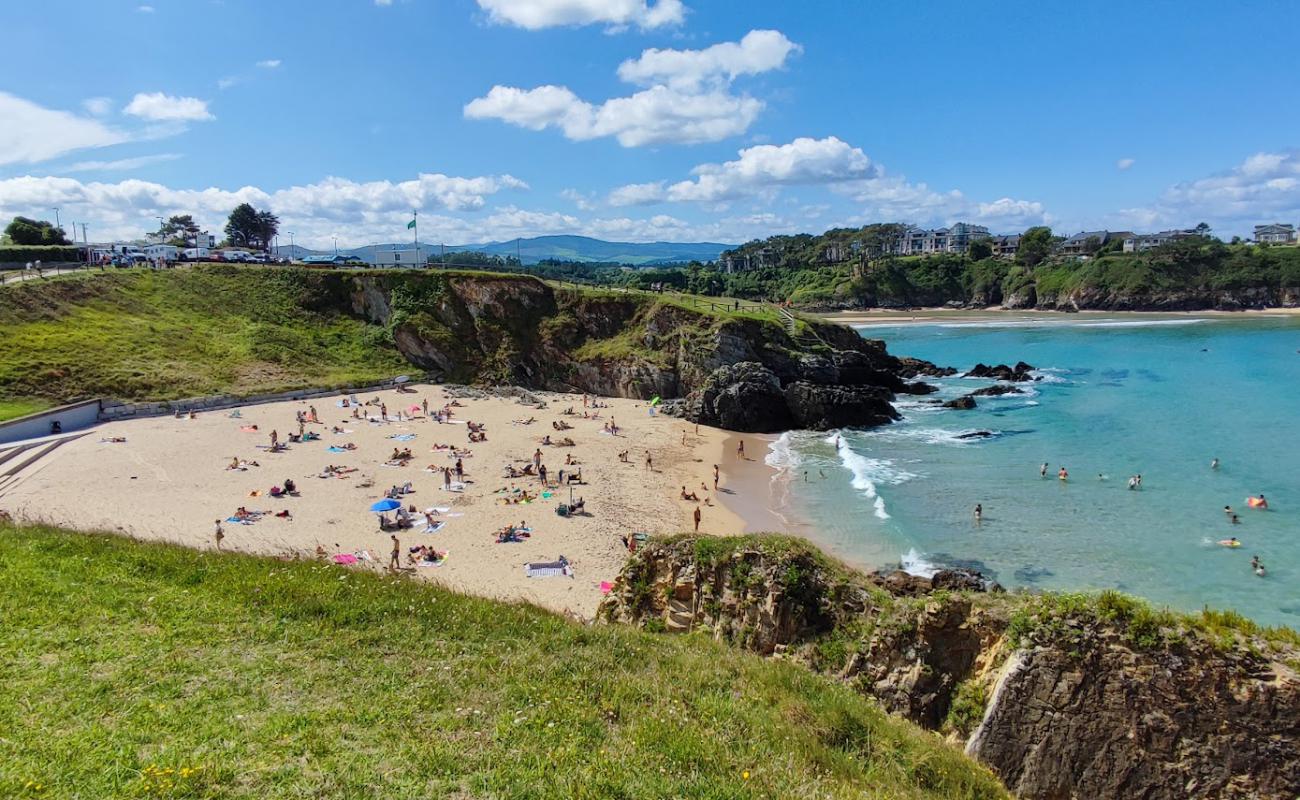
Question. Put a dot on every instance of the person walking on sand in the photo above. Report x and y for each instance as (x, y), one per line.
(446, 479)
(460, 469)
(697, 519)
(425, 405)
(383, 412)
(740, 449)
(219, 534)
(649, 461)
(715, 477)
(395, 559)
(275, 438)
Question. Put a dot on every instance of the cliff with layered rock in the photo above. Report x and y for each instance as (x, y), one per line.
(144, 335)
(744, 370)
(1063, 696)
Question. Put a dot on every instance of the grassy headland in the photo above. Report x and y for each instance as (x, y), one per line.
(139, 334)
(149, 335)
(133, 669)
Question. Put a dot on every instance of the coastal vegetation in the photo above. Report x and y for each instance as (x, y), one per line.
(1187, 273)
(134, 669)
(1101, 693)
(141, 334)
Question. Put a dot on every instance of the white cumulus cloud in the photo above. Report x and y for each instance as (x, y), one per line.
(30, 133)
(659, 115)
(269, 63)
(159, 107)
(1263, 188)
(365, 210)
(1125, 163)
(758, 52)
(688, 99)
(145, 9)
(758, 169)
(538, 14)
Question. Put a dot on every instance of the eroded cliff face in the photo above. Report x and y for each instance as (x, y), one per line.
(1061, 697)
(734, 371)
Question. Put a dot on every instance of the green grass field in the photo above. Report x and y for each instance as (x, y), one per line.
(21, 407)
(138, 334)
(146, 670)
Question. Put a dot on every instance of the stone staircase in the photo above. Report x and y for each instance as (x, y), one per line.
(804, 336)
(24, 459)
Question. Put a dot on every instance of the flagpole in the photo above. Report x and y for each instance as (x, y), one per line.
(415, 218)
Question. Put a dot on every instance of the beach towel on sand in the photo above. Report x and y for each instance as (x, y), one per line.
(434, 528)
(548, 569)
(403, 437)
(333, 449)
(345, 558)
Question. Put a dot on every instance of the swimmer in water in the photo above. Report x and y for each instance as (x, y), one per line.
(1214, 464)
(1227, 510)
(1236, 520)
(1063, 475)
(1132, 483)
(1042, 471)
(979, 512)
(1230, 542)
(1257, 566)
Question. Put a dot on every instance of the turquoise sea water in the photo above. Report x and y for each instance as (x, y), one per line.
(1120, 396)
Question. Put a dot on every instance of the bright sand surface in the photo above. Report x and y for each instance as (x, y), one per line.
(170, 480)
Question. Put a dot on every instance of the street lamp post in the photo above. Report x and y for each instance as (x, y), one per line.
(57, 224)
(293, 252)
(336, 247)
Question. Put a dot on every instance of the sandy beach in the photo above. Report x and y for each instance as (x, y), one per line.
(169, 479)
(922, 316)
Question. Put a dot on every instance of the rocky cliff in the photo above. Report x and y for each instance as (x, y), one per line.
(740, 371)
(1063, 696)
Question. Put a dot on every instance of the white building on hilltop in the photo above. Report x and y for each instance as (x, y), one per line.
(409, 257)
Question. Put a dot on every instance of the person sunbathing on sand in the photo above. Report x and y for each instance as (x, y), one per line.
(690, 496)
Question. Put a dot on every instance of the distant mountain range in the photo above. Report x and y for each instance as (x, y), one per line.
(565, 248)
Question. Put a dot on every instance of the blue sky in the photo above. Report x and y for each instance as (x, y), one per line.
(649, 119)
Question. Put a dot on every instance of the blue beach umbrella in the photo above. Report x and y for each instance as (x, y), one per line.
(385, 505)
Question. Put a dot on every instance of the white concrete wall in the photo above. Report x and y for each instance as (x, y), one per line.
(71, 418)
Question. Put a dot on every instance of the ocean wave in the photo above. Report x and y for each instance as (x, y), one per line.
(914, 563)
(1049, 375)
(868, 473)
(934, 435)
(781, 456)
(1142, 323)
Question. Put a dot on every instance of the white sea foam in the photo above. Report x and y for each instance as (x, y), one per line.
(1049, 376)
(868, 473)
(932, 435)
(780, 455)
(913, 563)
(1038, 322)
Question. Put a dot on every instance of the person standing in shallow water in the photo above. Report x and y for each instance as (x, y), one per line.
(1042, 471)
(979, 513)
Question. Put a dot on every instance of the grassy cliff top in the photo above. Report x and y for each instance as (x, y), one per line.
(154, 670)
(147, 335)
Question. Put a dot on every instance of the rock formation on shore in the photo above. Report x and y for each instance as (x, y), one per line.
(1062, 696)
(739, 372)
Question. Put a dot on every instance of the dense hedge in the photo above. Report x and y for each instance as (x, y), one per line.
(21, 254)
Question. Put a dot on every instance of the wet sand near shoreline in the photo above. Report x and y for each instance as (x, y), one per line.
(170, 479)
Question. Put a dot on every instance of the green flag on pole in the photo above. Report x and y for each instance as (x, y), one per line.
(410, 225)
